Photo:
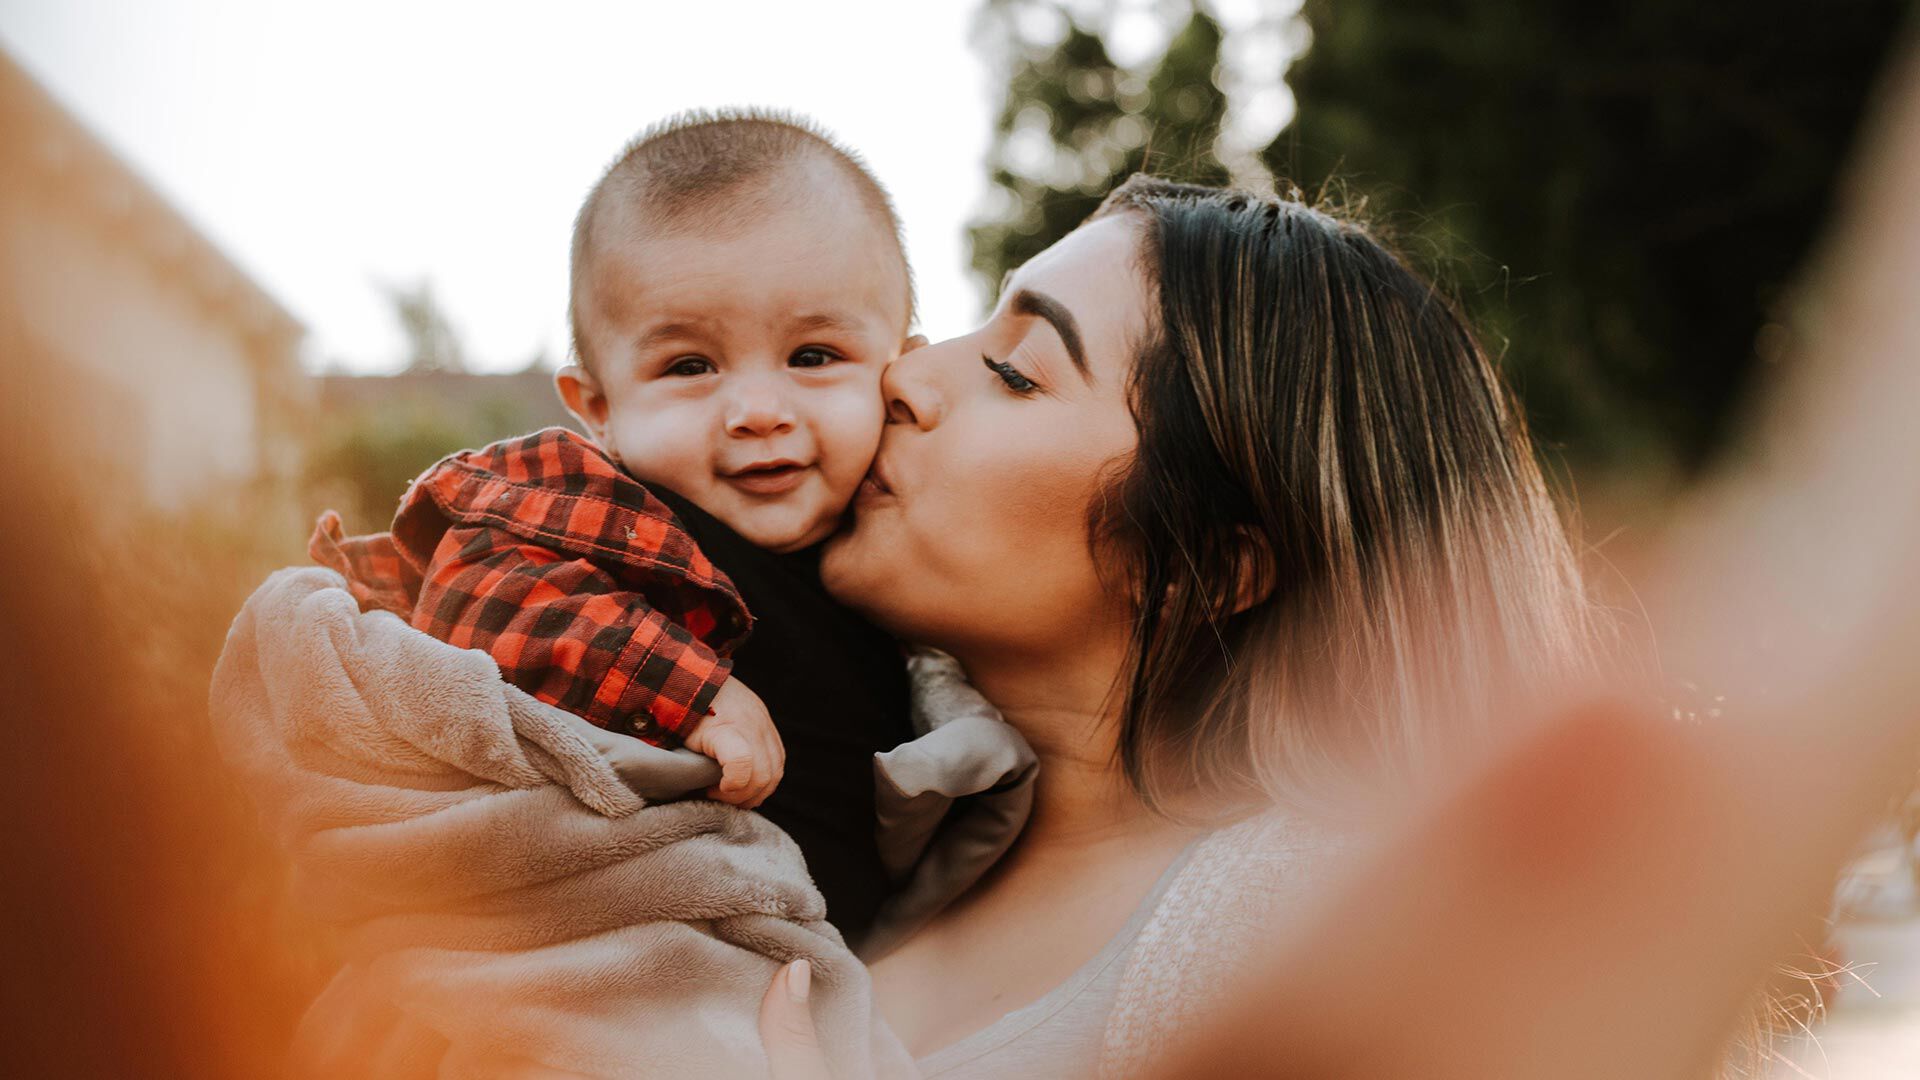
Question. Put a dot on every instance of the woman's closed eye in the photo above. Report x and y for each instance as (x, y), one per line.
(1011, 376)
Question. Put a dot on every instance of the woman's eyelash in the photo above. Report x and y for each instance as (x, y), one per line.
(1010, 375)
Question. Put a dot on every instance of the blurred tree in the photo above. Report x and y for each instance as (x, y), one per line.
(369, 456)
(376, 433)
(1074, 124)
(432, 344)
(379, 432)
(1621, 191)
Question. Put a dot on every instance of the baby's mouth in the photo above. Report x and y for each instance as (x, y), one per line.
(768, 477)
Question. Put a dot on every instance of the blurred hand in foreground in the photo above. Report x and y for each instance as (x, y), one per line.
(1602, 899)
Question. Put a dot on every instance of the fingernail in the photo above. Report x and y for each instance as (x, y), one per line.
(799, 981)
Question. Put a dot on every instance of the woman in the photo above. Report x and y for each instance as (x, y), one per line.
(1220, 502)
(1617, 884)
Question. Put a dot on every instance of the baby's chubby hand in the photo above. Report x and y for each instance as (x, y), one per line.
(738, 733)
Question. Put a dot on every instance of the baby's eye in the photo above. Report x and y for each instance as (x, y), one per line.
(812, 356)
(690, 365)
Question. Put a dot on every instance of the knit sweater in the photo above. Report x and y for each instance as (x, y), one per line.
(1227, 896)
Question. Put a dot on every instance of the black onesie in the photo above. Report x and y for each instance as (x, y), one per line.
(836, 687)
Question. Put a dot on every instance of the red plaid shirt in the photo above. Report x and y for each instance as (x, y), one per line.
(585, 588)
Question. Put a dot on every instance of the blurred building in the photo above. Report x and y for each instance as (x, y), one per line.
(129, 340)
(501, 405)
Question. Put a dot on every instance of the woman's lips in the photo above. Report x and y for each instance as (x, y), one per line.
(872, 486)
(776, 479)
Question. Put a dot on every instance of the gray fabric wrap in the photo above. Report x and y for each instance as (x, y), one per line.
(509, 896)
(950, 802)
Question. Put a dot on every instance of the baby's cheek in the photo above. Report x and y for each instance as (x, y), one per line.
(664, 446)
(848, 423)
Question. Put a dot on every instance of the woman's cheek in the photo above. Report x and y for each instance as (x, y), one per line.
(1050, 519)
(1047, 485)
(1015, 508)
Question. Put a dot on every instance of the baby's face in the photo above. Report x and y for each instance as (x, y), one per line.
(743, 370)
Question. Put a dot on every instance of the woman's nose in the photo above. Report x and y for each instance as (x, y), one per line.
(911, 389)
(758, 407)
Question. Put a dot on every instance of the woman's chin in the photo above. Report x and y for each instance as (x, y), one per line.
(864, 566)
(846, 565)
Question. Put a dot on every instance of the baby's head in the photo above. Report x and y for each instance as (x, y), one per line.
(738, 285)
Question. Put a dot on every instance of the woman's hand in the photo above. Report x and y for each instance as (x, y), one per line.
(786, 1026)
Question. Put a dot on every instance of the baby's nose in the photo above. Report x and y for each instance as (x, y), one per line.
(758, 409)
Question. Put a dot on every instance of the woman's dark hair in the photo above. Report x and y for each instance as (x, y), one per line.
(1336, 528)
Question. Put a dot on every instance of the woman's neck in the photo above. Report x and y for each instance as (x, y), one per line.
(1062, 707)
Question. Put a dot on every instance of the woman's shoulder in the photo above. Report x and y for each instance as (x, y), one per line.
(1237, 880)
(1265, 850)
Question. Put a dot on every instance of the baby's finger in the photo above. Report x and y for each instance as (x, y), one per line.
(770, 756)
(735, 755)
(769, 782)
(767, 788)
(766, 777)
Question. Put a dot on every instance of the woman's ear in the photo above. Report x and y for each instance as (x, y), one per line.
(580, 392)
(1255, 575)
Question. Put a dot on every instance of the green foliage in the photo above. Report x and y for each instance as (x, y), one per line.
(372, 454)
(1074, 124)
(377, 433)
(374, 434)
(1621, 192)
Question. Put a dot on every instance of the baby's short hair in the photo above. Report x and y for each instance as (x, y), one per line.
(693, 171)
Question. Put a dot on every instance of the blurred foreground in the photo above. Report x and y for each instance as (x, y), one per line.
(1872, 1030)
(161, 451)
(1600, 894)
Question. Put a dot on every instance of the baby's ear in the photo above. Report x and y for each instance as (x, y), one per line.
(580, 392)
(914, 341)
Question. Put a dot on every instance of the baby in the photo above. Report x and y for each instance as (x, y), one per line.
(738, 285)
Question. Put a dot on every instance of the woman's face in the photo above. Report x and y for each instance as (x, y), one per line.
(971, 532)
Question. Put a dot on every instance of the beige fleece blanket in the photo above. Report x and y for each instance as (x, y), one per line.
(511, 899)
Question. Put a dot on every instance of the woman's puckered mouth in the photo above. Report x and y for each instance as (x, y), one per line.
(875, 482)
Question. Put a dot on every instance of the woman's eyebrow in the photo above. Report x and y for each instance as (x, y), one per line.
(1040, 305)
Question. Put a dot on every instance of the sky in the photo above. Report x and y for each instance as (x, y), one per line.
(334, 150)
(328, 149)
